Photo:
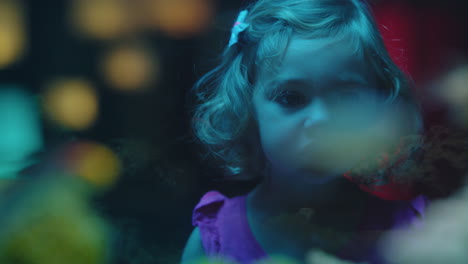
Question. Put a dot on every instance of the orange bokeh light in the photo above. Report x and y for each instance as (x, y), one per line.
(101, 19)
(130, 68)
(178, 18)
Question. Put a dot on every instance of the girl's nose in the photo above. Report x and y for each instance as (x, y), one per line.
(317, 113)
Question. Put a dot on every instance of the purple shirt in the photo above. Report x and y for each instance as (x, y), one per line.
(225, 231)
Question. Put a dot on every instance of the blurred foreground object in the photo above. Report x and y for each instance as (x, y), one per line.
(212, 260)
(443, 238)
(270, 260)
(370, 126)
(452, 91)
(386, 133)
(320, 257)
(20, 131)
(49, 221)
(313, 257)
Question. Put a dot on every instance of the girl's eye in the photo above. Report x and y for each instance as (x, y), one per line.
(290, 98)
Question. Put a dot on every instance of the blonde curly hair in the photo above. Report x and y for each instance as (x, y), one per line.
(223, 120)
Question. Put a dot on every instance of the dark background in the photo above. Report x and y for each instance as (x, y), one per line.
(163, 176)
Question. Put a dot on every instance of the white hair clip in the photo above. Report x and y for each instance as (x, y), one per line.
(238, 27)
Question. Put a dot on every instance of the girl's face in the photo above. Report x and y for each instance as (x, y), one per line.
(322, 87)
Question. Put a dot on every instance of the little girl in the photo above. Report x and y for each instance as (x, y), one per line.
(305, 92)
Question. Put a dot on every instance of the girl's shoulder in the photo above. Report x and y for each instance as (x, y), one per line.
(208, 208)
(205, 238)
(420, 204)
(224, 228)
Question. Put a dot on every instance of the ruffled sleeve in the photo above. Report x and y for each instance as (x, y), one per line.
(205, 216)
(419, 205)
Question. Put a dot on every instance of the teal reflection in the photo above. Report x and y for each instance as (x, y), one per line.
(20, 133)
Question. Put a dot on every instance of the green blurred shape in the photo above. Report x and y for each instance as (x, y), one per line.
(316, 256)
(49, 221)
(278, 259)
(213, 260)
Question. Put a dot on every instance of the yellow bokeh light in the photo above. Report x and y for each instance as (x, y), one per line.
(101, 19)
(71, 103)
(178, 18)
(129, 68)
(12, 32)
(93, 162)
